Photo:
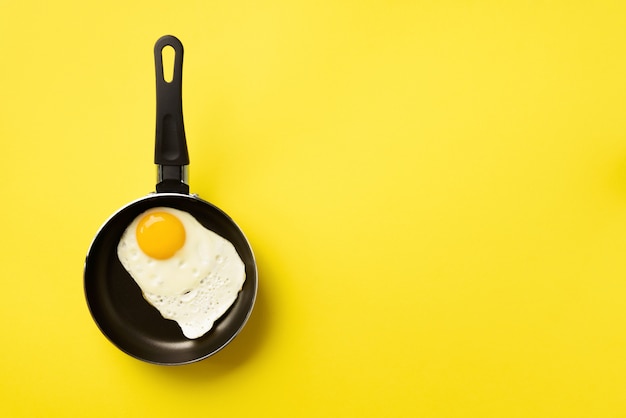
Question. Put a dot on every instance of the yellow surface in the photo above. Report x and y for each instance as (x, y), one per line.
(435, 192)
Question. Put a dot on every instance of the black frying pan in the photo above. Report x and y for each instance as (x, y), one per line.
(114, 299)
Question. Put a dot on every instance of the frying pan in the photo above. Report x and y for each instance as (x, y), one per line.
(114, 299)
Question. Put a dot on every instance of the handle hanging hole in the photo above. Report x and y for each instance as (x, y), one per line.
(168, 55)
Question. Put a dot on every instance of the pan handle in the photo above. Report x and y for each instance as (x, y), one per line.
(170, 151)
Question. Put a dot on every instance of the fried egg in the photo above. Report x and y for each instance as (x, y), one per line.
(189, 273)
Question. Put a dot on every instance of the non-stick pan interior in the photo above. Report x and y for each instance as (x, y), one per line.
(131, 323)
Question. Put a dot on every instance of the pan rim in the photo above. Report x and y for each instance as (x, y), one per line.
(251, 261)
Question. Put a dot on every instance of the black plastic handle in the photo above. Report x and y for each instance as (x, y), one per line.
(170, 151)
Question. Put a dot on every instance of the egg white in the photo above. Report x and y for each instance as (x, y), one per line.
(197, 285)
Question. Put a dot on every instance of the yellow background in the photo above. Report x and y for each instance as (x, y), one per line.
(435, 192)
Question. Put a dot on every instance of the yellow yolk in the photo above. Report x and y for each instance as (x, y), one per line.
(160, 235)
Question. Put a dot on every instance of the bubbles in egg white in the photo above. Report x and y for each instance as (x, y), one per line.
(194, 287)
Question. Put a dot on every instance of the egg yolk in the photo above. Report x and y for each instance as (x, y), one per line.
(160, 235)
